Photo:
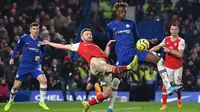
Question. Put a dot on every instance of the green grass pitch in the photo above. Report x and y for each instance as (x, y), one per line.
(119, 107)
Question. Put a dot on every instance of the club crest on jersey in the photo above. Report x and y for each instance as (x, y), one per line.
(38, 44)
(175, 44)
(127, 25)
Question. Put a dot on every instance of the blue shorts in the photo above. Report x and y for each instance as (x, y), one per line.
(125, 60)
(22, 73)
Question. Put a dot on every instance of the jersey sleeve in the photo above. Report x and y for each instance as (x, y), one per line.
(109, 32)
(162, 43)
(18, 45)
(74, 47)
(181, 45)
(135, 32)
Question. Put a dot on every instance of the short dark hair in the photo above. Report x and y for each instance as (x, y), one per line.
(85, 29)
(34, 24)
(175, 25)
(121, 4)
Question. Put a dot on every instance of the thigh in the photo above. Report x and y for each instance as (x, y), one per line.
(98, 68)
(142, 55)
(38, 71)
(178, 76)
(22, 74)
(170, 73)
(21, 77)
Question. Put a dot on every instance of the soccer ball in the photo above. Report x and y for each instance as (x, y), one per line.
(142, 45)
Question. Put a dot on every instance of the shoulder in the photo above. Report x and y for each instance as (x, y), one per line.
(110, 24)
(22, 38)
(40, 39)
(129, 21)
(167, 38)
(181, 39)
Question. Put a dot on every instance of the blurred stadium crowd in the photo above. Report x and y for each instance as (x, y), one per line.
(60, 19)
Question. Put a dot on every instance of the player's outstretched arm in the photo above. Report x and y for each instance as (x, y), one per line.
(56, 45)
(108, 47)
(158, 47)
(155, 48)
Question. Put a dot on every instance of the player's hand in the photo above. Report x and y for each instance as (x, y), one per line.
(45, 42)
(37, 58)
(166, 49)
(153, 41)
(111, 42)
(11, 62)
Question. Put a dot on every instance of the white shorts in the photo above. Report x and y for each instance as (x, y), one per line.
(98, 67)
(175, 75)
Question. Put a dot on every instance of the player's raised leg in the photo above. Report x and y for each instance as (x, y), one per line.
(43, 89)
(13, 92)
(132, 65)
(162, 71)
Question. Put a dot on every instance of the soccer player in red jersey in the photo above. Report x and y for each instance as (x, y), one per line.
(97, 60)
(173, 47)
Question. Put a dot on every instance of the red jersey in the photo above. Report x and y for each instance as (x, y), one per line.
(88, 50)
(170, 60)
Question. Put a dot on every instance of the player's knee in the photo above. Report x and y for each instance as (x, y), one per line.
(87, 88)
(160, 62)
(115, 70)
(43, 81)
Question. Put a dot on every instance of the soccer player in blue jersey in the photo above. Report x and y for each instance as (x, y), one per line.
(32, 53)
(125, 33)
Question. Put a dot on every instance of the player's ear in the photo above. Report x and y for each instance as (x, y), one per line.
(81, 37)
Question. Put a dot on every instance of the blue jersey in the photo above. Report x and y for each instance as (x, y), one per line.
(30, 49)
(126, 35)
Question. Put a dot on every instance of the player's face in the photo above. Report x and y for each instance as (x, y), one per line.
(121, 13)
(34, 30)
(87, 36)
(174, 30)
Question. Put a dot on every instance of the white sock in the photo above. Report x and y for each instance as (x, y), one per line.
(115, 85)
(163, 73)
(112, 99)
(13, 94)
(43, 91)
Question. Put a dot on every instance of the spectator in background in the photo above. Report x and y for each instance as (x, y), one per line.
(67, 77)
(4, 91)
(188, 80)
(59, 19)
